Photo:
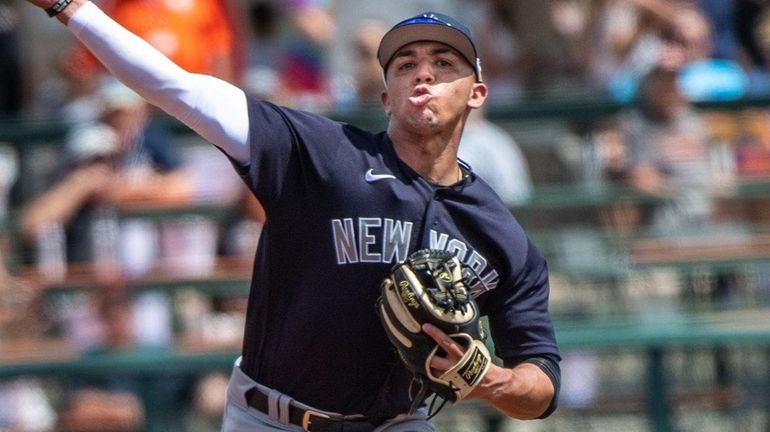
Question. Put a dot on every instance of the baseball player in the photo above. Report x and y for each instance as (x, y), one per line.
(343, 206)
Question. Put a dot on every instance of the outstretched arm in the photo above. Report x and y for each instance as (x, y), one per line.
(213, 108)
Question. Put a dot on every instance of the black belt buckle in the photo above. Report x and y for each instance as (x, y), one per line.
(306, 418)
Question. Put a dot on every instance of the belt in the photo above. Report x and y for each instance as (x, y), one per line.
(310, 420)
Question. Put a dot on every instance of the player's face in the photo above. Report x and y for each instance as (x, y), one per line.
(430, 85)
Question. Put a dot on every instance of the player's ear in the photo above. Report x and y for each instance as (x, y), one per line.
(478, 95)
(385, 102)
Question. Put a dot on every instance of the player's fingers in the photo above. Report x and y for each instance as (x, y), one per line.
(441, 364)
(452, 348)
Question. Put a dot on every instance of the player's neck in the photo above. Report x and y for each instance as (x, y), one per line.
(434, 158)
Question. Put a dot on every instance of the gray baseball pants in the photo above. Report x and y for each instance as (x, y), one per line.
(240, 417)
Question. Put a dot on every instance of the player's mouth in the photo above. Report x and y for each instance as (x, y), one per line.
(420, 96)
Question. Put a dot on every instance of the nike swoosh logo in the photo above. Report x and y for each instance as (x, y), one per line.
(371, 177)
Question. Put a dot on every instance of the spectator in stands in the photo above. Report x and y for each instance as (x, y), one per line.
(369, 83)
(123, 160)
(288, 51)
(608, 162)
(752, 144)
(75, 97)
(265, 47)
(22, 314)
(690, 47)
(143, 142)
(508, 61)
(199, 35)
(621, 41)
(670, 155)
(109, 403)
(24, 403)
(205, 36)
(208, 403)
(303, 65)
(88, 151)
(617, 41)
(110, 320)
(671, 158)
(496, 157)
(127, 159)
(25, 406)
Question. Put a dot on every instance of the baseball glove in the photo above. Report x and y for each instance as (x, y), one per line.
(428, 287)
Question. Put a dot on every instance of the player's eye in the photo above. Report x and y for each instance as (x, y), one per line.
(406, 65)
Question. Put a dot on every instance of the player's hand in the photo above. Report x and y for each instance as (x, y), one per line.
(454, 351)
(453, 354)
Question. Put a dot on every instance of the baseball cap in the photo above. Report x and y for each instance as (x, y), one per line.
(116, 96)
(91, 141)
(430, 26)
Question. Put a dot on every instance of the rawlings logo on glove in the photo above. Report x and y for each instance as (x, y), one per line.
(428, 287)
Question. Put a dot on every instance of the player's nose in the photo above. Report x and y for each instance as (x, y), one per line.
(424, 73)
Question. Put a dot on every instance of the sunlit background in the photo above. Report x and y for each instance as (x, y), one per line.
(630, 138)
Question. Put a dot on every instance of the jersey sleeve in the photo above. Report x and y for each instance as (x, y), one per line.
(518, 315)
(290, 151)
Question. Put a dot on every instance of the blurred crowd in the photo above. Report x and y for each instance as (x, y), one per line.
(659, 58)
(318, 54)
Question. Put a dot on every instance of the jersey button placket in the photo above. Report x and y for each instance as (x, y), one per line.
(438, 197)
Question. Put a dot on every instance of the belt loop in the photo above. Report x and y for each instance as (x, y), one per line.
(283, 405)
(272, 404)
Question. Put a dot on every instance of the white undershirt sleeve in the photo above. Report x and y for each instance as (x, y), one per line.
(213, 108)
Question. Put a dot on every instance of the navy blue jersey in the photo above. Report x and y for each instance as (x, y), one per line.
(341, 210)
